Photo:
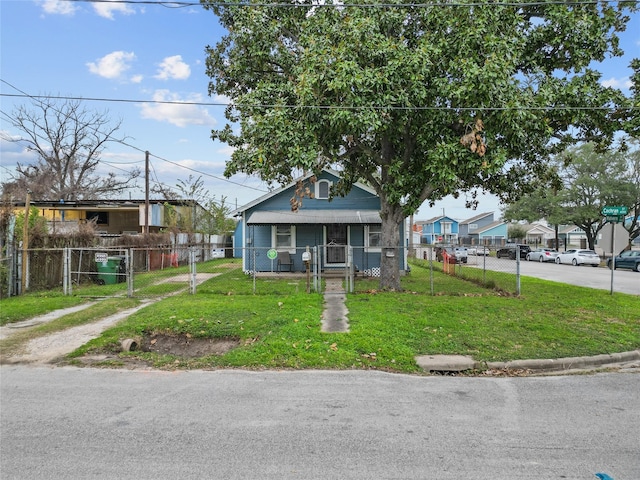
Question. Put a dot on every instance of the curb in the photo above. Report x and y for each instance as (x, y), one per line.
(459, 363)
(568, 363)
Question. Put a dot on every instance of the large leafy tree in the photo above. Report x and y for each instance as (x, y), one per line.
(543, 203)
(68, 141)
(588, 180)
(418, 100)
(632, 223)
(593, 180)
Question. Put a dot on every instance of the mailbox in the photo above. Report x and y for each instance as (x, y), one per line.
(306, 256)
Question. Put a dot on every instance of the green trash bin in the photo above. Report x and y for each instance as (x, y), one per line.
(112, 271)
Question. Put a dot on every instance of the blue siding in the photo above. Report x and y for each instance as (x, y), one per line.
(356, 199)
(258, 237)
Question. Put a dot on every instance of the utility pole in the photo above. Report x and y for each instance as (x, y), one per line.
(25, 242)
(146, 193)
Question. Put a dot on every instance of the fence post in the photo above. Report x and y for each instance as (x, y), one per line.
(128, 255)
(430, 250)
(350, 269)
(254, 271)
(66, 271)
(517, 269)
(192, 270)
(319, 270)
(315, 269)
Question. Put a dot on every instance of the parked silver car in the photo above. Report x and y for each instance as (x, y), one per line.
(579, 257)
(481, 250)
(542, 255)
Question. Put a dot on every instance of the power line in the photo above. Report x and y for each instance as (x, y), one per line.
(121, 142)
(313, 4)
(206, 174)
(328, 107)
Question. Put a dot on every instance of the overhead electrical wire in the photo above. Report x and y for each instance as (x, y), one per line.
(122, 142)
(325, 107)
(298, 4)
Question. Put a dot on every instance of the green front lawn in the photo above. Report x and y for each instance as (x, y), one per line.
(387, 329)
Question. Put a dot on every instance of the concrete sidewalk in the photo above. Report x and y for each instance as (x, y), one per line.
(334, 317)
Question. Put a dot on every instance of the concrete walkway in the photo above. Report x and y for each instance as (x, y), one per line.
(334, 317)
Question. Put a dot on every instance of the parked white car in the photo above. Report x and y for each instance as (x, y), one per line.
(481, 250)
(579, 257)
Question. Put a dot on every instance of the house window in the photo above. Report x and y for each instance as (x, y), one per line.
(322, 189)
(101, 218)
(373, 236)
(284, 236)
(473, 226)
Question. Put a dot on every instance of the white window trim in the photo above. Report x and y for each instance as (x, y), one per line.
(291, 248)
(317, 189)
(366, 240)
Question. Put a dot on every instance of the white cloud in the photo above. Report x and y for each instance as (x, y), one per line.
(106, 9)
(112, 65)
(58, 7)
(137, 79)
(173, 68)
(622, 83)
(177, 114)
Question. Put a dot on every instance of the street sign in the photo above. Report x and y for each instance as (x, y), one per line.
(614, 211)
(615, 218)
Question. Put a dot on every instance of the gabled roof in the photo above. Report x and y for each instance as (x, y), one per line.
(434, 220)
(476, 218)
(483, 229)
(537, 226)
(278, 191)
(570, 229)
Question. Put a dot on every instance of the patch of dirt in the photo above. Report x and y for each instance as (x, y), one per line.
(186, 346)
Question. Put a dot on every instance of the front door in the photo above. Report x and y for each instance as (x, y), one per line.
(336, 241)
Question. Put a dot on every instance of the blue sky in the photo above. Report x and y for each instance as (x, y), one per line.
(147, 52)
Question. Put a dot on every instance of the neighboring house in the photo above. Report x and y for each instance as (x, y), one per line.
(440, 229)
(416, 234)
(571, 236)
(494, 233)
(627, 223)
(469, 228)
(539, 234)
(268, 225)
(116, 217)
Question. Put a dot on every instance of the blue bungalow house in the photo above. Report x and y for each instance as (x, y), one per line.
(343, 230)
(440, 229)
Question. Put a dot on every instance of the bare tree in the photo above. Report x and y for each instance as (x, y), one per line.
(68, 141)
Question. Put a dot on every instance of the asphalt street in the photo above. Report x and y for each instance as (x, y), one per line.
(624, 281)
(92, 424)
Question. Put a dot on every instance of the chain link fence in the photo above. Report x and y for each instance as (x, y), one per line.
(479, 264)
(157, 271)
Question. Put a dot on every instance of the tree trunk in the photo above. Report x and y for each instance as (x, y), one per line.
(391, 255)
